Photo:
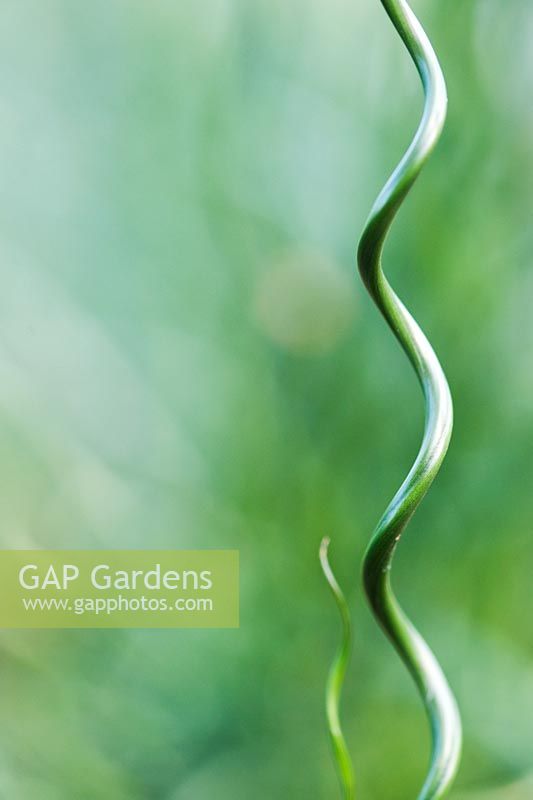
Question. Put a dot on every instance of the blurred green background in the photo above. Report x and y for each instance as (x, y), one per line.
(188, 359)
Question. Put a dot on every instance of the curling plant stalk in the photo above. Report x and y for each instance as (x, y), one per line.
(439, 702)
(436, 695)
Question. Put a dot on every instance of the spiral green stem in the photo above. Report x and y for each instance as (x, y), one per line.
(336, 680)
(436, 694)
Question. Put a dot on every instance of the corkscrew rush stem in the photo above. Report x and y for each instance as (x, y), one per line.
(336, 679)
(437, 697)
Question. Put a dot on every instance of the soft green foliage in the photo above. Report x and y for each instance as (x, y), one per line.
(188, 359)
